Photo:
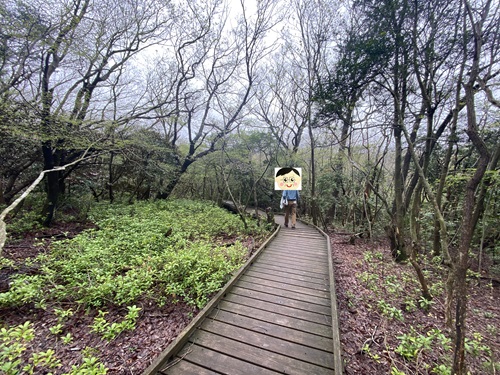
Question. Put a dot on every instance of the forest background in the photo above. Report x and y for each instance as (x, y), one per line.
(390, 107)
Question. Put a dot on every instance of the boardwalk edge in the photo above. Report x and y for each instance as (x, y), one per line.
(337, 347)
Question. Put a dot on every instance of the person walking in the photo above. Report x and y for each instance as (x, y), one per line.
(290, 199)
(289, 180)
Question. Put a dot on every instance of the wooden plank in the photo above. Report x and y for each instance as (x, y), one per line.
(262, 341)
(325, 293)
(273, 330)
(300, 239)
(288, 276)
(289, 271)
(310, 267)
(285, 293)
(282, 320)
(296, 259)
(306, 244)
(293, 269)
(300, 233)
(293, 303)
(288, 280)
(267, 359)
(337, 347)
(307, 315)
(302, 266)
(299, 255)
(187, 368)
(288, 256)
(217, 362)
(305, 249)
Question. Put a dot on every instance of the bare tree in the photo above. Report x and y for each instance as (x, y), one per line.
(206, 88)
(279, 103)
(484, 20)
(287, 104)
(30, 188)
(22, 31)
(87, 44)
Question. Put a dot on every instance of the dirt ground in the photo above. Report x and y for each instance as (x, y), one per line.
(368, 337)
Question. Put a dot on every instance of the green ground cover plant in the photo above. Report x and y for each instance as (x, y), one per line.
(176, 250)
(158, 250)
(387, 294)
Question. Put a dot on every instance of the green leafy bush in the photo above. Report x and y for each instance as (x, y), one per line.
(110, 331)
(13, 342)
(157, 250)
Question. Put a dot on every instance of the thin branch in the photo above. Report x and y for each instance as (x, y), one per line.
(3, 226)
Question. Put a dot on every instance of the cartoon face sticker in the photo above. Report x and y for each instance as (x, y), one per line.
(288, 179)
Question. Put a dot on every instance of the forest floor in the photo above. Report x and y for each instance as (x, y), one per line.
(369, 328)
(379, 303)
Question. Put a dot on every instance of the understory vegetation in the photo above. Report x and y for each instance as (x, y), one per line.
(155, 253)
(389, 328)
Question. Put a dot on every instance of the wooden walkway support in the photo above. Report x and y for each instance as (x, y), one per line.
(278, 315)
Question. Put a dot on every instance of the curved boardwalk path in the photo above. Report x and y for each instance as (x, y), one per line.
(274, 317)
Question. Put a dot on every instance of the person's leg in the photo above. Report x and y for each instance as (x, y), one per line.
(287, 214)
(293, 208)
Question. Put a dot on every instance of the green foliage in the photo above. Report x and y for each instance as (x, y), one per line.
(442, 369)
(90, 365)
(13, 342)
(413, 343)
(437, 288)
(392, 285)
(366, 349)
(67, 339)
(57, 329)
(46, 360)
(370, 279)
(424, 303)
(160, 250)
(24, 289)
(410, 304)
(63, 314)
(247, 162)
(29, 218)
(475, 346)
(487, 231)
(390, 311)
(395, 371)
(491, 366)
(110, 331)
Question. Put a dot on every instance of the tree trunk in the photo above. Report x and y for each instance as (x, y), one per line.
(52, 185)
(397, 232)
(469, 215)
(415, 242)
(110, 178)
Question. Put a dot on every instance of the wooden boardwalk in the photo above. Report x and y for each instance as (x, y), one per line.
(277, 316)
